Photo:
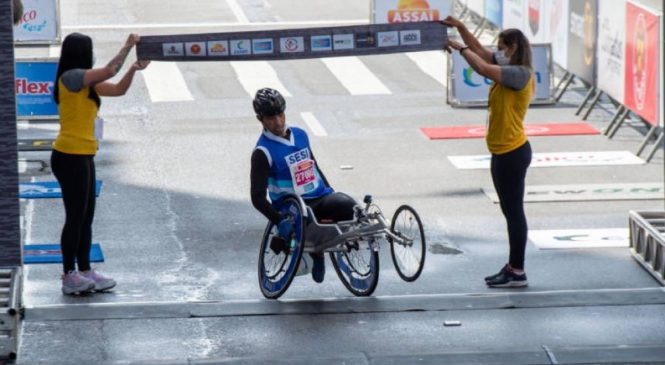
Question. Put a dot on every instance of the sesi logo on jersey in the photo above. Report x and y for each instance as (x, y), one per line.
(298, 156)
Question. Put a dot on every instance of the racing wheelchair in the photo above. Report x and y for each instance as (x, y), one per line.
(353, 246)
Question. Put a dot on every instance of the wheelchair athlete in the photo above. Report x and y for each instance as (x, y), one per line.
(283, 163)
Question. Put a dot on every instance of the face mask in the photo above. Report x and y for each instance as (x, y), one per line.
(501, 58)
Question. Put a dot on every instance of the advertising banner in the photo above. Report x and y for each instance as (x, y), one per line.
(282, 44)
(40, 23)
(468, 88)
(642, 62)
(558, 29)
(537, 20)
(34, 89)
(513, 14)
(583, 16)
(407, 11)
(611, 48)
(477, 6)
(494, 12)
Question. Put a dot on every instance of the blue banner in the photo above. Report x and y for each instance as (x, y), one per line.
(494, 12)
(46, 189)
(34, 89)
(51, 253)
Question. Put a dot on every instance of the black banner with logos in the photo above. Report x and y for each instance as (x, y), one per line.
(280, 44)
(582, 39)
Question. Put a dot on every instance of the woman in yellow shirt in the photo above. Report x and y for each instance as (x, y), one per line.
(511, 70)
(77, 92)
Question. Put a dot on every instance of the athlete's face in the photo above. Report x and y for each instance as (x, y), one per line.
(276, 124)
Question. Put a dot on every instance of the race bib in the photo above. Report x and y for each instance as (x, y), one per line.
(303, 171)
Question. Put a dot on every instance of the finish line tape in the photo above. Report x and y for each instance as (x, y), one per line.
(356, 40)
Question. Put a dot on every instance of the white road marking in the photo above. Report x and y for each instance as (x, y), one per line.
(214, 24)
(355, 76)
(165, 82)
(237, 11)
(432, 63)
(254, 75)
(313, 124)
(580, 238)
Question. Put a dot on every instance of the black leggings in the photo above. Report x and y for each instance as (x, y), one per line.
(508, 175)
(76, 175)
(333, 207)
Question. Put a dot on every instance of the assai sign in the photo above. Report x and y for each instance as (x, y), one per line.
(408, 11)
(39, 23)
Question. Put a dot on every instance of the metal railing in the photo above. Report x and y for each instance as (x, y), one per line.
(647, 241)
(11, 311)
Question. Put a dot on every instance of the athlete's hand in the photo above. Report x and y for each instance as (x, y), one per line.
(285, 228)
(452, 22)
(140, 65)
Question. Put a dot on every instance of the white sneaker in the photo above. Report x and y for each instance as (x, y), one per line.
(73, 282)
(101, 282)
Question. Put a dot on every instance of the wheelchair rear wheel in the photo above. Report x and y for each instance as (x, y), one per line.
(409, 257)
(279, 258)
(357, 267)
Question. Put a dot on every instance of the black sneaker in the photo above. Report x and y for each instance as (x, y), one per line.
(319, 267)
(506, 278)
(491, 277)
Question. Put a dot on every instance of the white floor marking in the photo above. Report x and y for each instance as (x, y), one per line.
(432, 63)
(237, 11)
(580, 238)
(355, 76)
(215, 24)
(313, 124)
(254, 75)
(165, 82)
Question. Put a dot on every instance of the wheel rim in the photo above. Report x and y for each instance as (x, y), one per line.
(408, 257)
(357, 268)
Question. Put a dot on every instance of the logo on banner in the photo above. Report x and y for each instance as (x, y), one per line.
(240, 47)
(25, 87)
(640, 62)
(28, 19)
(196, 49)
(388, 39)
(534, 16)
(262, 46)
(321, 43)
(292, 44)
(410, 37)
(173, 49)
(412, 11)
(343, 41)
(468, 78)
(218, 48)
(365, 40)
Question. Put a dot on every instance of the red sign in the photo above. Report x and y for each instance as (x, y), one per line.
(478, 131)
(641, 80)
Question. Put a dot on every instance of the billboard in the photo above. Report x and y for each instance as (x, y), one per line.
(468, 88)
(40, 23)
(494, 12)
(513, 14)
(537, 20)
(33, 86)
(582, 18)
(642, 62)
(611, 48)
(406, 11)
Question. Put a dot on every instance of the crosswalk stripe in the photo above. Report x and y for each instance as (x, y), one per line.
(313, 124)
(254, 75)
(355, 76)
(165, 82)
(432, 63)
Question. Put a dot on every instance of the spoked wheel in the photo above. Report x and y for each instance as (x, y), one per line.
(357, 267)
(279, 258)
(408, 256)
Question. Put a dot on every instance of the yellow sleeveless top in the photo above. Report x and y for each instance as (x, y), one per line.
(77, 122)
(507, 109)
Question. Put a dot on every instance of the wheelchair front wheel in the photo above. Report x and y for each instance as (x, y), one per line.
(408, 256)
(278, 258)
(357, 267)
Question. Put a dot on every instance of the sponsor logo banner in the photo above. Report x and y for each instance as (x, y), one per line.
(583, 17)
(33, 86)
(406, 11)
(611, 48)
(39, 23)
(46, 189)
(601, 158)
(558, 31)
(468, 87)
(642, 62)
(588, 192)
(580, 238)
(295, 43)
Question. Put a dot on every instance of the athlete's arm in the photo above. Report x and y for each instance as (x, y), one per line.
(259, 173)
